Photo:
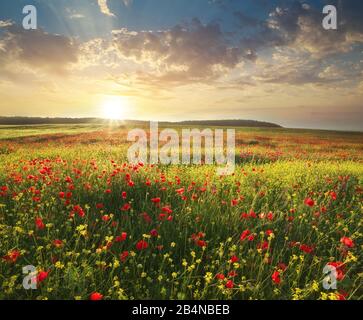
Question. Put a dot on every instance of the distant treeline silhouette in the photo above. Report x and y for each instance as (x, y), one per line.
(211, 123)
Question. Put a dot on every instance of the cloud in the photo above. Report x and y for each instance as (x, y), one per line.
(6, 23)
(76, 16)
(299, 25)
(127, 3)
(190, 52)
(104, 8)
(73, 14)
(37, 49)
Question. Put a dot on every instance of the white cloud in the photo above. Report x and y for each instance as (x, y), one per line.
(76, 16)
(104, 8)
(73, 14)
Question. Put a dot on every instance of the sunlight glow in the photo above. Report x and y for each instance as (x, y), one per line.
(115, 108)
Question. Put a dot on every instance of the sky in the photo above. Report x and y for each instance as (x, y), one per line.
(267, 60)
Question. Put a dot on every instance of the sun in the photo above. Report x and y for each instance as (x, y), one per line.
(114, 108)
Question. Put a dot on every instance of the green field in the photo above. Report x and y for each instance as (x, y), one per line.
(71, 206)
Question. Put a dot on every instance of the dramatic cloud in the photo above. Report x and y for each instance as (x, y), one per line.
(37, 49)
(192, 52)
(299, 25)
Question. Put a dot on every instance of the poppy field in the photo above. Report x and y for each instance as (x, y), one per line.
(96, 227)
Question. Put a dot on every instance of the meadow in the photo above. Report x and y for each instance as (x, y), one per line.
(96, 227)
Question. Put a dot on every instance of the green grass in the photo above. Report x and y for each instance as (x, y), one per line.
(11, 132)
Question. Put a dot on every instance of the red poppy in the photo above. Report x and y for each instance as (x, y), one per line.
(122, 237)
(220, 276)
(245, 234)
(276, 277)
(232, 274)
(126, 207)
(69, 180)
(167, 210)
(154, 233)
(180, 191)
(342, 295)
(309, 202)
(251, 237)
(57, 243)
(141, 245)
(333, 195)
(229, 284)
(155, 200)
(340, 269)
(78, 209)
(39, 223)
(270, 216)
(123, 256)
(252, 214)
(306, 248)
(106, 218)
(12, 256)
(348, 242)
(42, 275)
(234, 259)
(198, 235)
(201, 243)
(263, 245)
(95, 296)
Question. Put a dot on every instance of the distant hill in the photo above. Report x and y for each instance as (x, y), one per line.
(229, 123)
(212, 123)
